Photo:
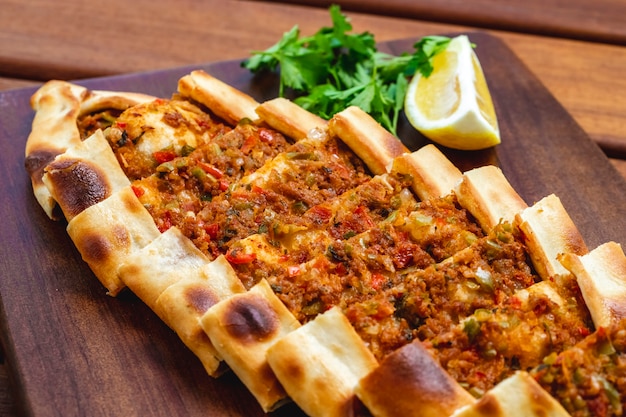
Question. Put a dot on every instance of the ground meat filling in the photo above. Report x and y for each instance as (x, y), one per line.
(399, 268)
(589, 379)
(188, 183)
(101, 120)
(148, 135)
(277, 202)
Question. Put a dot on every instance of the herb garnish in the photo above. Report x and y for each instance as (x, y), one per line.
(334, 69)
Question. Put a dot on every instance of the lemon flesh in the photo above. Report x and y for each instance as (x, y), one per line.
(453, 106)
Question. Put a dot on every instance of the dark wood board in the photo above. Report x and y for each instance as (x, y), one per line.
(73, 351)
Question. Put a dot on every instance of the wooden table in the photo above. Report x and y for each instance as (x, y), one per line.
(598, 21)
(579, 56)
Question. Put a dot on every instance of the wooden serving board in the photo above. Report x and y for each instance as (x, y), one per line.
(74, 351)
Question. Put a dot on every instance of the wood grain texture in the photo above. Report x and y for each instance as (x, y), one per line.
(41, 40)
(7, 403)
(598, 21)
(11, 83)
(73, 351)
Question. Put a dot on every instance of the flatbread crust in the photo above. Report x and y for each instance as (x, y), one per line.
(434, 175)
(601, 276)
(179, 283)
(242, 328)
(97, 100)
(58, 106)
(85, 174)
(320, 364)
(368, 139)
(106, 233)
(167, 259)
(517, 396)
(288, 118)
(184, 303)
(223, 100)
(548, 231)
(487, 194)
(409, 382)
(203, 301)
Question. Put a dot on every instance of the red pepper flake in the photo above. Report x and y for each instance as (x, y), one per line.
(121, 125)
(248, 144)
(403, 255)
(320, 214)
(238, 257)
(266, 136)
(224, 185)
(212, 230)
(164, 156)
(211, 170)
(515, 302)
(138, 190)
(205, 124)
(340, 269)
(257, 190)
(166, 222)
(377, 281)
(363, 217)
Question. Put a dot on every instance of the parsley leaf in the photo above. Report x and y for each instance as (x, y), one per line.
(335, 68)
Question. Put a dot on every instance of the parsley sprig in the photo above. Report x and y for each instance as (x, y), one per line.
(335, 68)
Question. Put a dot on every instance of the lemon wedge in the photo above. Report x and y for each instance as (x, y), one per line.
(453, 106)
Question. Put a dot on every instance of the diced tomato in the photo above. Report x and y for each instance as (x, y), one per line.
(598, 406)
(293, 270)
(164, 156)
(238, 257)
(320, 214)
(248, 144)
(480, 375)
(266, 136)
(212, 230)
(205, 124)
(515, 302)
(121, 125)
(283, 258)
(210, 169)
(377, 281)
(341, 170)
(242, 193)
(583, 331)
(403, 257)
(364, 217)
(166, 222)
(138, 190)
(340, 269)
(257, 190)
(224, 185)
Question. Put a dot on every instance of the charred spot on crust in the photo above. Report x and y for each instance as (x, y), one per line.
(95, 248)
(412, 365)
(131, 203)
(489, 406)
(122, 238)
(295, 371)
(98, 248)
(250, 319)
(36, 161)
(200, 298)
(77, 185)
